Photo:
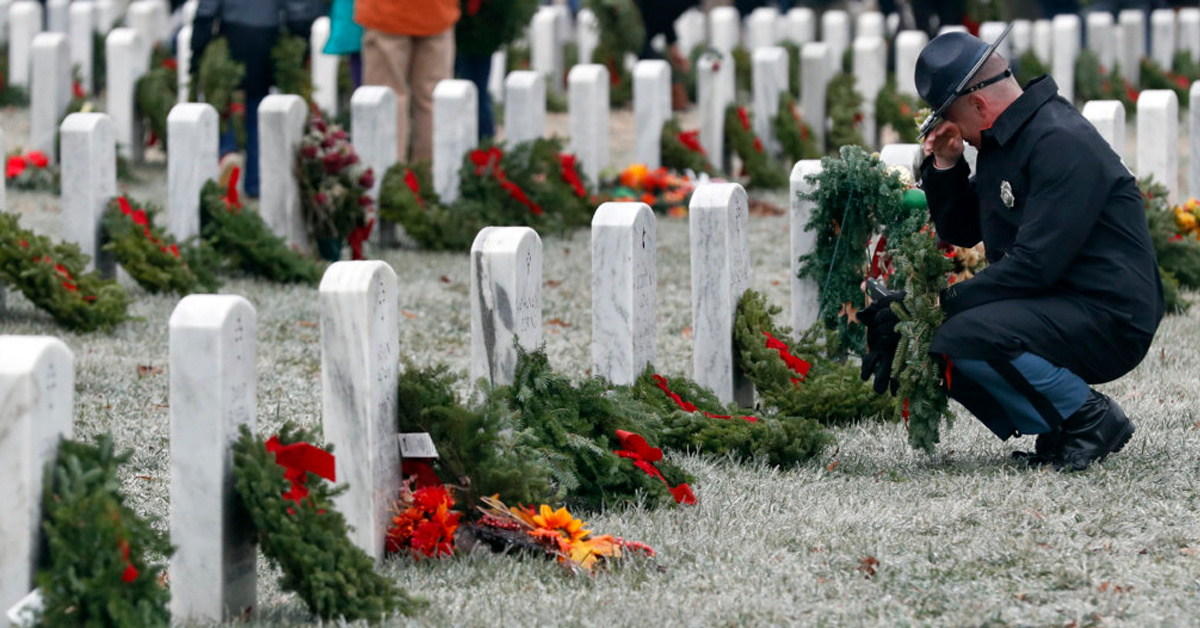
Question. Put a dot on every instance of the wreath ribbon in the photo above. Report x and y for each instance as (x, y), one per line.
(644, 456)
(795, 364)
(298, 460)
(687, 406)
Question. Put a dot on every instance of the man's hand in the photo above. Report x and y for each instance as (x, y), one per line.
(678, 59)
(945, 143)
(882, 340)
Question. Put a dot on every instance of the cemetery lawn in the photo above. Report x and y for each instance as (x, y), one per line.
(873, 533)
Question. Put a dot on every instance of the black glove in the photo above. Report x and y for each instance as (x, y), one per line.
(882, 340)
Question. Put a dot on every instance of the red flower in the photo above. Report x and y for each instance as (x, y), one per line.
(139, 218)
(744, 117)
(77, 91)
(37, 158)
(319, 125)
(320, 198)
(365, 201)
(308, 151)
(331, 162)
(430, 497)
(367, 180)
(124, 204)
(14, 167)
(351, 159)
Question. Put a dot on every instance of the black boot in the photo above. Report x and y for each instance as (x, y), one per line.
(1047, 450)
(1097, 429)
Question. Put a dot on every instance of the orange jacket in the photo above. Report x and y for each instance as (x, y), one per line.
(418, 18)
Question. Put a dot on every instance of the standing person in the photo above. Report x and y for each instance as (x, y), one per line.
(1071, 296)
(345, 37)
(408, 45)
(483, 27)
(251, 28)
(659, 17)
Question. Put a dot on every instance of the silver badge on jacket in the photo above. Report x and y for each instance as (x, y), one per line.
(1006, 194)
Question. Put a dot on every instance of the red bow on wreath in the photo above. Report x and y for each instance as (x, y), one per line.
(687, 406)
(298, 460)
(644, 456)
(231, 193)
(691, 141)
(566, 164)
(795, 364)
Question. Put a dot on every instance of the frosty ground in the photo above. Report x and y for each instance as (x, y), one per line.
(871, 534)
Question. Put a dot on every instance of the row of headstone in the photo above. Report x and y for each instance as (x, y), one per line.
(21, 21)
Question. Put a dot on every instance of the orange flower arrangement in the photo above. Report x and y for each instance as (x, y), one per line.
(659, 189)
(1187, 218)
(560, 533)
(425, 524)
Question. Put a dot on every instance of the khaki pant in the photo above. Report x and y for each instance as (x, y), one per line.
(412, 67)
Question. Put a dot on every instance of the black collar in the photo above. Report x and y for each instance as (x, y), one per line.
(1037, 93)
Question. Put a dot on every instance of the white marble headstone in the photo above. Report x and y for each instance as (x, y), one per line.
(213, 356)
(806, 304)
(50, 90)
(908, 155)
(651, 109)
(835, 32)
(146, 17)
(801, 25)
(587, 111)
(624, 291)
(870, 24)
(1108, 116)
(1132, 26)
(908, 47)
(587, 34)
(720, 256)
(1189, 31)
(1043, 41)
(37, 390)
(545, 47)
(127, 59)
(496, 76)
(81, 26)
(1194, 140)
(281, 120)
(192, 160)
(108, 15)
(814, 82)
(870, 75)
(760, 28)
(373, 130)
(1066, 50)
(24, 23)
(711, 104)
(689, 31)
(324, 69)
(56, 15)
(183, 60)
(1157, 128)
(1162, 37)
(89, 181)
(1021, 37)
(455, 132)
(506, 300)
(360, 362)
(525, 107)
(724, 34)
(990, 32)
(770, 66)
(1101, 37)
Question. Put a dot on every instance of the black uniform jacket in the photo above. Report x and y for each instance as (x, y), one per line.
(1072, 275)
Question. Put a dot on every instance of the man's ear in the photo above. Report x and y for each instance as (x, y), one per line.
(978, 103)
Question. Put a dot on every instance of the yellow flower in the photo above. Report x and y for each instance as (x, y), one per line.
(560, 521)
(1185, 221)
(586, 553)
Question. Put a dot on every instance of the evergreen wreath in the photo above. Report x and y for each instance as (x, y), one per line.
(31, 171)
(681, 150)
(217, 80)
(147, 253)
(291, 73)
(407, 198)
(1178, 255)
(301, 532)
(98, 571)
(156, 93)
(621, 33)
(896, 110)
(51, 276)
(794, 135)
(247, 244)
(740, 138)
(844, 105)
(922, 266)
(829, 391)
(855, 197)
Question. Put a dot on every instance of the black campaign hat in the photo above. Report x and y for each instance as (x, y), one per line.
(945, 67)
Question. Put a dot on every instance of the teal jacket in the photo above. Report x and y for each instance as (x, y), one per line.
(345, 37)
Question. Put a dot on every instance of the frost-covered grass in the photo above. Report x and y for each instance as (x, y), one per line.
(962, 538)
